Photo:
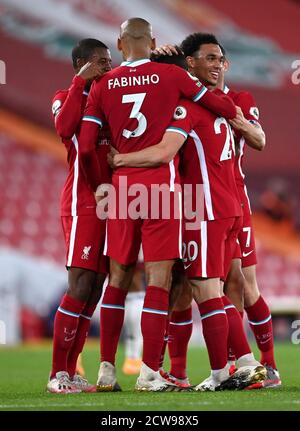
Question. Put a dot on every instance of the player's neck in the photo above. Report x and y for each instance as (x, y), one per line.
(211, 87)
(140, 54)
(220, 85)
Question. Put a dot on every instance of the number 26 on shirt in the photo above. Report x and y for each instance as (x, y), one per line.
(228, 147)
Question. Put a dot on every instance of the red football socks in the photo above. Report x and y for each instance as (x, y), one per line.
(215, 331)
(260, 321)
(180, 331)
(65, 328)
(111, 322)
(154, 317)
(81, 335)
(166, 340)
(237, 339)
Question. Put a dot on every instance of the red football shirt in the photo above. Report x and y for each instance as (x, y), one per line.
(208, 159)
(250, 110)
(77, 198)
(138, 100)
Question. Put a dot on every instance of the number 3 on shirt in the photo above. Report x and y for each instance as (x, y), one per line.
(228, 147)
(137, 100)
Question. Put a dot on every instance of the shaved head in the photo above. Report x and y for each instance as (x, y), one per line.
(136, 28)
(136, 39)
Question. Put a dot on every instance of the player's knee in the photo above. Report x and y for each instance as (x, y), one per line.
(236, 284)
(120, 281)
(250, 284)
(184, 300)
(159, 274)
(204, 292)
(117, 282)
(81, 284)
(161, 280)
(251, 293)
(121, 275)
(251, 288)
(96, 290)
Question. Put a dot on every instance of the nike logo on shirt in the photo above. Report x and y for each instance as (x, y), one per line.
(247, 254)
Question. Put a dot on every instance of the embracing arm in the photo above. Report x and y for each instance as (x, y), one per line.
(251, 131)
(155, 155)
(255, 136)
(191, 88)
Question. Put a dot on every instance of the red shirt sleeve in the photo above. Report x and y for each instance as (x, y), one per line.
(192, 89)
(89, 133)
(92, 120)
(248, 105)
(66, 108)
(182, 122)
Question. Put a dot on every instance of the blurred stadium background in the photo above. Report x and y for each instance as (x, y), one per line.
(36, 38)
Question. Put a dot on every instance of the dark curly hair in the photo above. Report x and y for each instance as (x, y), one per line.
(85, 49)
(177, 59)
(192, 43)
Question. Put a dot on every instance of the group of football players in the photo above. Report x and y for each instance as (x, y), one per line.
(163, 120)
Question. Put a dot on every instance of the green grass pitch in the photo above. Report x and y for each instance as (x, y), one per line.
(24, 371)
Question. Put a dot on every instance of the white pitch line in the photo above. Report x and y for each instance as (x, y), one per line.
(28, 406)
(16, 406)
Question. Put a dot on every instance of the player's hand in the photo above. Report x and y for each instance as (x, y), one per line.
(110, 160)
(239, 122)
(98, 198)
(165, 50)
(90, 71)
(111, 157)
(114, 161)
(113, 151)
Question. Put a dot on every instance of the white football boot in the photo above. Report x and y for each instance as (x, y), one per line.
(152, 381)
(107, 381)
(82, 383)
(249, 372)
(213, 382)
(61, 384)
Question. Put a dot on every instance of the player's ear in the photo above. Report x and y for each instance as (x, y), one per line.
(153, 44)
(190, 62)
(226, 65)
(119, 44)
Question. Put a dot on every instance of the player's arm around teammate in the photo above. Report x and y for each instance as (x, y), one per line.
(209, 61)
(252, 132)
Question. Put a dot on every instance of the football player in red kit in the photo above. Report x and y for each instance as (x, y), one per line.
(208, 158)
(84, 232)
(250, 133)
(137, 100)
(241, 286)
